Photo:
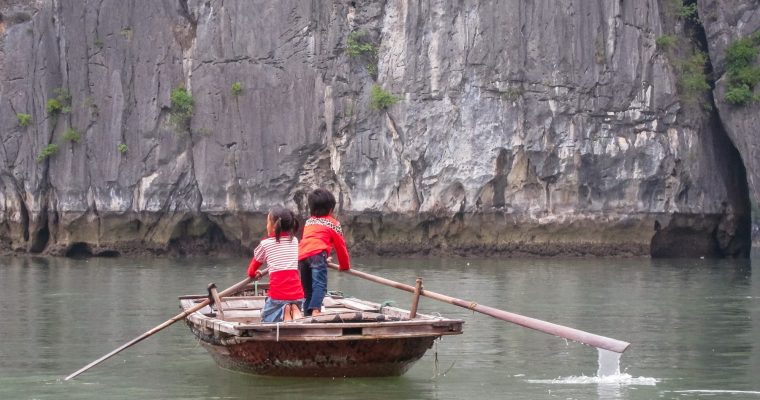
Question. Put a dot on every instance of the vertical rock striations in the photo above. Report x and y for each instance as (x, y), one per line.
(726, 23)
(541, 127)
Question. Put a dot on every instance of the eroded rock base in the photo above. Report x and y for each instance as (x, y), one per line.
(462, 234)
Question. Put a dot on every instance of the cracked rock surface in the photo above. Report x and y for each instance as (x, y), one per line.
(521, 127)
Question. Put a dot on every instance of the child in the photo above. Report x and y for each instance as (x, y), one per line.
(321, 234)
(280, 252)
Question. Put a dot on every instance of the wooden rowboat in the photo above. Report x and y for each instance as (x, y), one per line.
(351, 338)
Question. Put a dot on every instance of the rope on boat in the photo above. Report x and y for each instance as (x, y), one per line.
(436, 374)
(386, 303)
(277, 339)
(450, 367)
(435, 359)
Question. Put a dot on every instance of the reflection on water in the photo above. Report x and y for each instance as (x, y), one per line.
(694, 326)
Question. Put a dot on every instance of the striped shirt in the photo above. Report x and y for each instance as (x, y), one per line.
(282, 259)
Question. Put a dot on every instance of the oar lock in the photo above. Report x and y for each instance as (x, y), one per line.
(210, 288)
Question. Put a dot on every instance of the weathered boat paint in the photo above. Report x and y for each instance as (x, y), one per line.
(336, 358)
(354, 338)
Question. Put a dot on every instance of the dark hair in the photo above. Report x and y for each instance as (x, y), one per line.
(321, 202)
(284, 221)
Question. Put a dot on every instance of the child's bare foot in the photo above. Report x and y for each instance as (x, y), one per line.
(296, 312)
(316, 312)
(288, 313)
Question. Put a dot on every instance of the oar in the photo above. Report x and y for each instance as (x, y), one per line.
(573, 334)
(179, 317)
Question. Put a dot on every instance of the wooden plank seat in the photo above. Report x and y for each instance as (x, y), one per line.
(353, 317)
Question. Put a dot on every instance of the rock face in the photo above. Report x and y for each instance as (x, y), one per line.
(726, 22)
(541, 127)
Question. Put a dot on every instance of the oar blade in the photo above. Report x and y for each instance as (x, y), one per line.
(232, 289)
(564, 332)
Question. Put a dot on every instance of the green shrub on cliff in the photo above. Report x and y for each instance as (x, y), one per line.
(740, 53)
(24, 120)
(53, 107)
(72, 135)
(237, 89)
(739, 95)
(666, 42)
(692, 80)
(182, 107)
(742, 75)
(47, 151)
(122, 147)
(686, 9)
(60, 104)
(380, 99)
(359, 46)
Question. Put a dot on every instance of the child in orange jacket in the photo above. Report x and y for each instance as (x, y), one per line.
(321, 233)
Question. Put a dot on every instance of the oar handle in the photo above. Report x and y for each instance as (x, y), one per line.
(573, 334)
(231, 290)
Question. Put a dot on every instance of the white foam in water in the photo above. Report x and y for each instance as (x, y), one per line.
(719, 391)
(620, 379)
(607, 373)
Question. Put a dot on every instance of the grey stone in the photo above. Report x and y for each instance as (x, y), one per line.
(541, 127)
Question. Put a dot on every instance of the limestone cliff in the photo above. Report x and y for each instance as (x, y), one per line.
(541, 126)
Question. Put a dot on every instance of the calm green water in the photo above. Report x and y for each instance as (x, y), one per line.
(694, 325)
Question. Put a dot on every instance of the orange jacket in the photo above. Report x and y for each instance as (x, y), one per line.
(323, 234)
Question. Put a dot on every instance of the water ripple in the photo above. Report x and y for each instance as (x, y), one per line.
(619, 379)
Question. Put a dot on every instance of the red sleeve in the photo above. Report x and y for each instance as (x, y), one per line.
(259, 253)
(253, 267)
(340, 250)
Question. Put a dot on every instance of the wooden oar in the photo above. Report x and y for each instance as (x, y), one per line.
(573, 334)
(178, 317)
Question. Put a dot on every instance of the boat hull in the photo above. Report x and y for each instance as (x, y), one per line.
(352, 338)
(343, 358)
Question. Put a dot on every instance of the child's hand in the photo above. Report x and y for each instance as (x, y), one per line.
(329, 259)
(257, 276)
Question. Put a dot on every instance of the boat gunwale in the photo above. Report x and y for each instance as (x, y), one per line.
(323, 325)
(268, 326)
(239, 329)
(234, 339)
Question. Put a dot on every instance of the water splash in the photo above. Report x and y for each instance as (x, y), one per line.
(608, 373)
(609, 363)
(620, 379)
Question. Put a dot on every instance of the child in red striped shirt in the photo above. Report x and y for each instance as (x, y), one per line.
(280, 252)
